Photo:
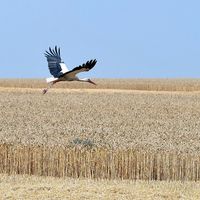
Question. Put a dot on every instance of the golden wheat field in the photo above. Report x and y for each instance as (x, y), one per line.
(132, 130)
(143, 120)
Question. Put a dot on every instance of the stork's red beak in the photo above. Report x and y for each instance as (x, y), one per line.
(92, 82)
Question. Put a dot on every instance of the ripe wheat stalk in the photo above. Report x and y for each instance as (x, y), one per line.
(98, 163)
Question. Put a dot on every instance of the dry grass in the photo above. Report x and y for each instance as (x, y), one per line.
(31, 187)
(127, 84)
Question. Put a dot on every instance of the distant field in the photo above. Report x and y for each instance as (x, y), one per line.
(127, 84)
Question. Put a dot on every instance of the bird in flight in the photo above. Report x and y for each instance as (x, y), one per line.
(60, 72)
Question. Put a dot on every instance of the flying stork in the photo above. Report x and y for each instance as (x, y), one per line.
(60, 72)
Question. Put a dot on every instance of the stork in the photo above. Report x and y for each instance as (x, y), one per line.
(60, 72)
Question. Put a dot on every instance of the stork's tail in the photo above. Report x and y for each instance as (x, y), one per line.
(51, 79)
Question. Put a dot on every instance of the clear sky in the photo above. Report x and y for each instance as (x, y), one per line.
(129, 38)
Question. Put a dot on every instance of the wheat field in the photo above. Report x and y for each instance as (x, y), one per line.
(121, 129)
(141, 120)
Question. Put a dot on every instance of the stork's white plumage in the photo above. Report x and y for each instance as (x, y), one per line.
(60, 72)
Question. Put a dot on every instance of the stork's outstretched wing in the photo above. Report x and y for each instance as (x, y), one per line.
(56, 67)
(81, 68)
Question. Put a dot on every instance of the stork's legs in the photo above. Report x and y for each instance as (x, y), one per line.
(49, 86)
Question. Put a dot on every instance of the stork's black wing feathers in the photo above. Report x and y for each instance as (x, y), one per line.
(81, 68)
(54, 60)
(86, 66)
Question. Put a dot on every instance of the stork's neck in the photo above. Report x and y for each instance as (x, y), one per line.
(86, 80)
(83, 79)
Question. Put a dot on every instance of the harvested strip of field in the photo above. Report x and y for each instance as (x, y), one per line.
(144, 121)
(32, 187)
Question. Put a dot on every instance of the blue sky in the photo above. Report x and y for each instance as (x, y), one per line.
(129, 38)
